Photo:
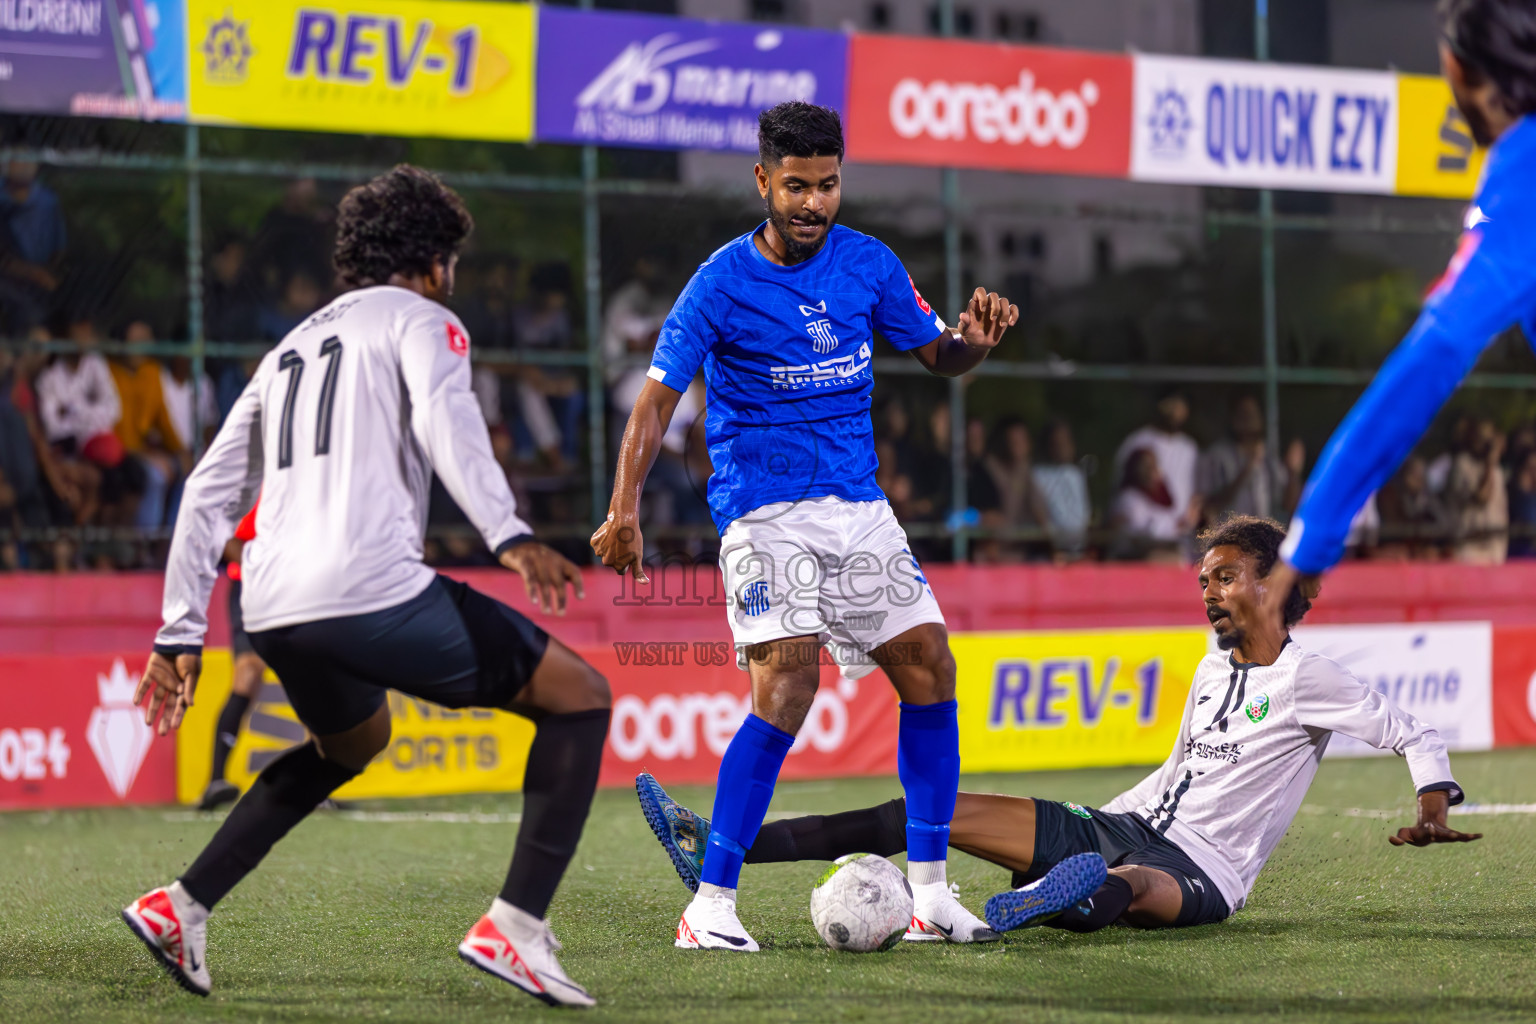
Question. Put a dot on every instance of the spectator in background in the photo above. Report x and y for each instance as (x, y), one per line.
(231, 308)
(25, 504)
(1522, 506)
(301, 296)
(632, 316)
(1414, 524)
(1478, 499)
(981, 494)
(1239, 476)
(1063, 489)
(32, 243)
(1176, 453)
(488, 310)
(177, 387)
(70, 490)
(294, 238)
(78, 401)
(145, 427)
(1439, 469)
(550, 400)
(1149, 523)
(894, 426)
(1010, 464)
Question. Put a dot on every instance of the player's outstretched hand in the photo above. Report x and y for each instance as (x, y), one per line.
(1431, 827)
(1277, 589)
(545, 573)
(620, 546)
(169, 685)
(985, 319)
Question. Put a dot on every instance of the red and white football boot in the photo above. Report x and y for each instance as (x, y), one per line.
(175, 928)
(520, 949)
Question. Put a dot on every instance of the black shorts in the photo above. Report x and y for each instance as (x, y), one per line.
(239, 639)
(1062, 830)
(450, 645)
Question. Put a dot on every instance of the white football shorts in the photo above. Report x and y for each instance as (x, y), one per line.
(839, 570)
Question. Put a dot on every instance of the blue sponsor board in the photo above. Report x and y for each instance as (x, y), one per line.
(675, 83)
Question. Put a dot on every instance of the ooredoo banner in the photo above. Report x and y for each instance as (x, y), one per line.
(675, 83)
(71, 737)
(449, 69)
(1215, 122)
(1514, 686)
(1440, 672)
(1012, 108)
(1031, 701)
(96, 58)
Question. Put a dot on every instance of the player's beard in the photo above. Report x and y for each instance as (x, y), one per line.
(796, 251)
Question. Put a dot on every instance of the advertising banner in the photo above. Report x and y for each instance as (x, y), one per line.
(96, 58)
(1009, 108)
(1031, 701)
(1440, 672)
(1241, 123)
(675, 83)
(447, 69)
(1514, 686)
(71, 737)
(1435, 152)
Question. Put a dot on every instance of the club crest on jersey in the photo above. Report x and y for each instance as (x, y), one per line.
(1257, 708)
(1077, 809)
(922, 303)
(458, 341)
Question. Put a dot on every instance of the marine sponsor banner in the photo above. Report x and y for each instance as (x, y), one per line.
(1031, 701)
(391, 67)
(1514, 686)
(97, 58)
(1435, 152)
(1012, 108)
(1213, 122)
(71, 737)
(676, 83)
(1440, 672)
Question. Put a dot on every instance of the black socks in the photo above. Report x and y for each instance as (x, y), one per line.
(227, 730)
(1100, 910)
(557, 794)
(282, 796)
(881, 830)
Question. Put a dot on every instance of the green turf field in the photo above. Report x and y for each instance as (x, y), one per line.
(354, 919)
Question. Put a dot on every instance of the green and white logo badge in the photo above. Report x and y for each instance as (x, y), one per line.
(1257, 708)
(1077, 809)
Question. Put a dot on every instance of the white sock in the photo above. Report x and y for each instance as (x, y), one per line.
(926, 872)
(191, 911)
(709, 891)
(511, 918)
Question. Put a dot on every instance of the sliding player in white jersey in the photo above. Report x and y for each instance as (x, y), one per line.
(340, 431)
(1185, 844)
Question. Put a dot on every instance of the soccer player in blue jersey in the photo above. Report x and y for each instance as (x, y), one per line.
(1488, 55)
(783, 321)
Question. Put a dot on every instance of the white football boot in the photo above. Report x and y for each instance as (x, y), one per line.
(710, 922)
(175, 928)
(518, 948)
(937, 916)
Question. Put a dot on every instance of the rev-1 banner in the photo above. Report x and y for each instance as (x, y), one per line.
(1216, 122)
(675, 83)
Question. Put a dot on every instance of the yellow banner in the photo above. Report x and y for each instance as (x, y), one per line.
(1031, 701)
(1435, 153)
(388, 67)
(432, 751)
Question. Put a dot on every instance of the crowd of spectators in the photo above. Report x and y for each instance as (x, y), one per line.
(99, 440)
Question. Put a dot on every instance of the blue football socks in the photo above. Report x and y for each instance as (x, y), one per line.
(745, 786)
(928, 763)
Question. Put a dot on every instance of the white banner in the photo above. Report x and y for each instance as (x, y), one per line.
(1440, 672)
(1248, 124)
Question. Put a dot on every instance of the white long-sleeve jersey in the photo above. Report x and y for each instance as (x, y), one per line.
(1248, 748)
(339, 431)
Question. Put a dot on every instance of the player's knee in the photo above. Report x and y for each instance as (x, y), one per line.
(595, 693)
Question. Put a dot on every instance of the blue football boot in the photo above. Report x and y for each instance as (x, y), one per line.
(683, 834)
(1074, 879)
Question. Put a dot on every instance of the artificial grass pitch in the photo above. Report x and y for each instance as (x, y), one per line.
(356, 916)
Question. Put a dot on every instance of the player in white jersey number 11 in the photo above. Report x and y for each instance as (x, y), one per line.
(340, 431)
(1185, 844)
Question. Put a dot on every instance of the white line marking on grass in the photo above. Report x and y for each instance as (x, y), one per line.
(1365, 812)
(1494, 809)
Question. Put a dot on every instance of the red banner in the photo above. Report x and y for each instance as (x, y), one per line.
(1010, 108)
(71, 737)
(677, 705)
(1514, 686)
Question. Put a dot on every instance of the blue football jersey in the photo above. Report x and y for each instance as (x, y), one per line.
(786, 355)
(1489, 286)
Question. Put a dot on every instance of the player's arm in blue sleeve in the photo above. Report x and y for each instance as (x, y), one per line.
(901, 313)
(1490, 285)
(686, 336)
(911, 325)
